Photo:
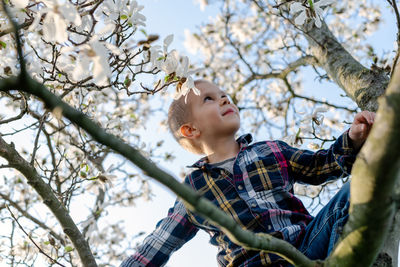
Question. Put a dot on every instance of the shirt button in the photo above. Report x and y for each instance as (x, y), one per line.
(269, 227)
(253, 205)
(240, 187)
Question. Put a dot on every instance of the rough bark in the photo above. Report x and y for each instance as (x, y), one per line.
(361, 84)
(374, 175)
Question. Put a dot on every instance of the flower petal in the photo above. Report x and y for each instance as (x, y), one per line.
(167, 41)
(323, 3)
(301, 18)
(318, 22)
(20, 3)
(296, 7)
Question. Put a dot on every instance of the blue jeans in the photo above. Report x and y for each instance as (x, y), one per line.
(324, 230)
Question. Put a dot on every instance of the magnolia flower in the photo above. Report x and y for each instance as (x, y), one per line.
(317, 117)
(102, 180)
(171, 62)
(185, 89)
(155, 54)
(55, 28)
(93, 57)
(58, 15)
(134, 15)
(167, 41)
(316, 11)
(183, 72)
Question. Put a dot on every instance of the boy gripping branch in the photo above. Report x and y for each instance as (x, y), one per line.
(251, 182)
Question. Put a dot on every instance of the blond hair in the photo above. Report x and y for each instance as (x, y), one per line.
(179, 113)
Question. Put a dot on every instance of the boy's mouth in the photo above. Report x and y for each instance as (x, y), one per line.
(229, 110)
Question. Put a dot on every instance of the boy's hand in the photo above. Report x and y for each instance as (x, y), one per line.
(360, 128)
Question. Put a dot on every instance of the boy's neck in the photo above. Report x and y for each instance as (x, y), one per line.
(220, 149)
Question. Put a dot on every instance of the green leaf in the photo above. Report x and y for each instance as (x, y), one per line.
(68, 249)
(310, 2)
(143, 31)
(83, 174)
(2, 45)
(124, 17)
(46, 242)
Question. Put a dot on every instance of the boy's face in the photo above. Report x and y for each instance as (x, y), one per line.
(212, 112)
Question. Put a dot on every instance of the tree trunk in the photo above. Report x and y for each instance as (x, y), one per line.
(373, 198)
(364, 86)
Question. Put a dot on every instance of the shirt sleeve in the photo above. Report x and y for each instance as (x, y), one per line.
(170, 234)
(317, 167)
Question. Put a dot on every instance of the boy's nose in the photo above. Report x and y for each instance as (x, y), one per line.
(224, 101)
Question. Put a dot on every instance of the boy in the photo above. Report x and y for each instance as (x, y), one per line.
(251, 182)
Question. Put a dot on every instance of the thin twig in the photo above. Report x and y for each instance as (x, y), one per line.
(17, 40)
(396, 11)
(30, 238)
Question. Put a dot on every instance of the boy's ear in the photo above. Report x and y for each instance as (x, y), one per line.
(189, 131)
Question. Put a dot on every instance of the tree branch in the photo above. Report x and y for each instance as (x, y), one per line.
(30, 217)
(33, 241)
(50, 200)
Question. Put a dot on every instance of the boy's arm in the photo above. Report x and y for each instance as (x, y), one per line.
(327, 164)
(170, 234)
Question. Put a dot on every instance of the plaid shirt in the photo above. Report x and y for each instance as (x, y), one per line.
(258, 196)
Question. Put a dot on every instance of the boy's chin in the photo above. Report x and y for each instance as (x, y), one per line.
(231, 130)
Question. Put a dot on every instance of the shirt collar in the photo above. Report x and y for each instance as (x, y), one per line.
(243, 140)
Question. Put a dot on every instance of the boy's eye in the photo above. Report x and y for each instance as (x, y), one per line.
(207, 98)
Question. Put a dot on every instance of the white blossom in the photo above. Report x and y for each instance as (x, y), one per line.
(301, 18)
(20, 3)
